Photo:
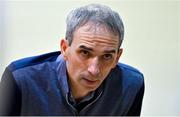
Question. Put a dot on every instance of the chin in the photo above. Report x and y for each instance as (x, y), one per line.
(92, 88)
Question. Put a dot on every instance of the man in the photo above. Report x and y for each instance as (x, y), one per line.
(85, 78)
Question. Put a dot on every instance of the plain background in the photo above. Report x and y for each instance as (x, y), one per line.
(152, 42)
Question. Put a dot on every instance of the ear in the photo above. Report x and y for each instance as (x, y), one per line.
(64, 47)
(118, 56)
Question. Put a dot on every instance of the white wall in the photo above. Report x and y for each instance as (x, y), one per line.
(2, 34)
(151, 42)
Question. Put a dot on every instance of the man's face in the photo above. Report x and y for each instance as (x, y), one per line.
(91, 56)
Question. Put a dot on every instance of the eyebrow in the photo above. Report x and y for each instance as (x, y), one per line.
(85, 48)
(90, 49)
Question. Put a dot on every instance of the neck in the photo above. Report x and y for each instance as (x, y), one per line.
(78, 92)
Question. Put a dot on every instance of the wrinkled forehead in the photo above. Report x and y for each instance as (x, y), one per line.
(96, 28)
(95, 35)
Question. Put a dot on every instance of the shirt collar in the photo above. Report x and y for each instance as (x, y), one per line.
(61, 74)
(86, 98)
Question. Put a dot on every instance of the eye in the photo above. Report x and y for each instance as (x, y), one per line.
(84, 53)
(107, 56)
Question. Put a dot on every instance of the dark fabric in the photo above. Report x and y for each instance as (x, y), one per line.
(39, 86)
(135, 110)
(10, 95)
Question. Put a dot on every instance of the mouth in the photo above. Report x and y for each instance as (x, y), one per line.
(90, 83)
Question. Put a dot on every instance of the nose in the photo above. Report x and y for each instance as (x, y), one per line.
(93, 67)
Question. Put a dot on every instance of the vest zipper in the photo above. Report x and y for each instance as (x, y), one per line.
(91, 103)
(72, 107)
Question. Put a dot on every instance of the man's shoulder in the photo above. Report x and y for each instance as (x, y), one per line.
(129, 69)
(130, 74)
(33, 60)
(124, 81)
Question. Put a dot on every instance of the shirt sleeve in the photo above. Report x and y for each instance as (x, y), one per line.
(10, 95)
(135, 109)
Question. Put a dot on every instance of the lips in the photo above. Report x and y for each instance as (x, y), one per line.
(89, 82)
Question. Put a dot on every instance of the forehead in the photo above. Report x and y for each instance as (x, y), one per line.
(96, 35)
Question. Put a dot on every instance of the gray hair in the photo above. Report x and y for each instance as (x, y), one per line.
(95, 13)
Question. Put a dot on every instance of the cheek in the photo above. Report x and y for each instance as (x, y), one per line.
(106, 68)
(105, 71)
(76, 64)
